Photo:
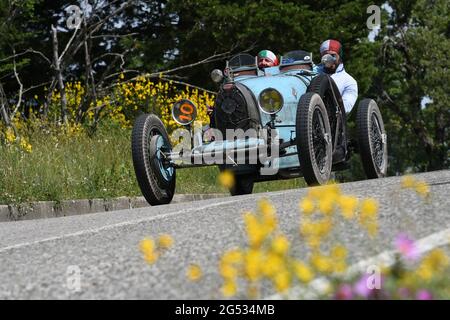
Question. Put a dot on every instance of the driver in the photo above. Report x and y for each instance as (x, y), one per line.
(266, 59)
(331, 52)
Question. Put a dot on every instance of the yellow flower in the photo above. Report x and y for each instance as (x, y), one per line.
(408, 182)
(147, 245)
(229, 288)
(268, 214)
(307, 206)
(25, 145)
(253, 259)
(369, 208)
(315, 193)
(151, 257)
(165, 241)
(194, 272)
(266, 208)
(326, 205)
(280, 245)
(422, 188)
(282, 281)
(232, 256)
(424, 272)
(272, 265)
(339, 252)
(226, 179)
(321, 263)
(348, 206)
(323, 227)
(227, 271)
(303, 272)
(10, 136)
(436, 259)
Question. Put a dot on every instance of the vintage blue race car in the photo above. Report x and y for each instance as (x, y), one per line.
(277, 123)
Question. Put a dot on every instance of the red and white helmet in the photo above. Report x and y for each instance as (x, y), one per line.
(331, 45)
(267, 58)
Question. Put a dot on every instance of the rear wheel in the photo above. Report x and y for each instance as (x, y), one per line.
(372, 139)
(243, 184)
(155, 175)
(313, 139)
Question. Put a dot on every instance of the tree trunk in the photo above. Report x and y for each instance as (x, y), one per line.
(4, 114)
(59, 76)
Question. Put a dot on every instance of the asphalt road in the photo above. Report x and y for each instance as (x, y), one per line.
(35, 255)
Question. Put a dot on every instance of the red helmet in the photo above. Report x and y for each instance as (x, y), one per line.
(267, 58)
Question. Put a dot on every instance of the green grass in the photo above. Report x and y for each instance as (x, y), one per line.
(80, 167)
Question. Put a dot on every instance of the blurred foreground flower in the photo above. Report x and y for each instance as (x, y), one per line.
(406, 247)
(226, 179)
(152, 250)
(420, 187)
(165, 241)
(194, 272)
(148, 248)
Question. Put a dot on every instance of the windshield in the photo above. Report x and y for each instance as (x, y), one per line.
(242, 60)
(296, 56)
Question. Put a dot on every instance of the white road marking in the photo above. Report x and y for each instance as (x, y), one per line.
(385, 259)
(122, 224)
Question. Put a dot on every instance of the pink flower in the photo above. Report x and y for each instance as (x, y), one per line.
(406, 247)
(361, 287)
(369, 286)
(344, 292)
(424, 295)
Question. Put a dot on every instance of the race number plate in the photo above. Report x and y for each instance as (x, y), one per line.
(184, 112)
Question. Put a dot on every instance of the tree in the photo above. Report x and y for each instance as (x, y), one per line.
(412, 83)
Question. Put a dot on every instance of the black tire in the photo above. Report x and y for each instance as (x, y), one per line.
(243, 184)
(325, 86)
(372, 143)
(147, 132)
(313, 139)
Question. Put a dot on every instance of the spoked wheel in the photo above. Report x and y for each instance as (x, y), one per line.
(313, 139)
(372, 139)
(154, 173)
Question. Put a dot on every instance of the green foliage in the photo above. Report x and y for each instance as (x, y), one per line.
(406, 62)
(413, 64)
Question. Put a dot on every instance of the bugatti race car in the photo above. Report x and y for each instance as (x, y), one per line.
(279, 122)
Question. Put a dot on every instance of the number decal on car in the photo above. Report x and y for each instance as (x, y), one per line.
(184, 112)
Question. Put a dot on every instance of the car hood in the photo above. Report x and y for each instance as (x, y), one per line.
(291, 88)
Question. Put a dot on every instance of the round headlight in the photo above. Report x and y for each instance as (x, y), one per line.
(217, 75)
(270, 101)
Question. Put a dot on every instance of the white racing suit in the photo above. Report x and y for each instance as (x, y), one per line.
(347, 85)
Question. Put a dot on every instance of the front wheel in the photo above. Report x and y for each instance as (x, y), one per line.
(314, 144)
(372, 139)
(154, 173)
